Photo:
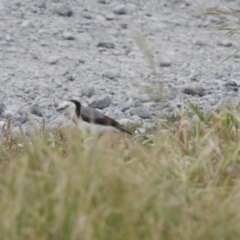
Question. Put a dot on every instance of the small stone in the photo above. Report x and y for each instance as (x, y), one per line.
(69, 77)
(88, 91)
(36, 110)
(86, 15)
(230, 84)
(67, 35)
(110, 16)
(106, 45)
(41, 4)
(120, 9)
(102, 1)
(26, 24)
(123, 25)
(80, 60)
(101, 103)
(8, 114)
(142, 112)
(2, 107)
(21, 119)
(224, 44)
(200, 43)
(164, 63)
(64, 10)
(111, 73)
(137, 103)
(194, 89)
(53, 60)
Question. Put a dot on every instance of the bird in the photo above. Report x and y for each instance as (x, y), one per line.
(90, 119)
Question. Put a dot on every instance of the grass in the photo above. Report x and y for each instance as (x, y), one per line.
(180, 183)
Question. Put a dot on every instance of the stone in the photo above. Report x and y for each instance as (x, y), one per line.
(111, 73)
(26, 24)
(81, 60)
(230, 83)
(194, 89)
(2, 107)
(66, 35)
(142, 112)
(120, 9)
(36, 110)
(64, 10)
(106, 45)
(110, 16)
(164, 63)
(69, 77)
(224, 44)
(101, 103)
(88, 91)
(53, 60)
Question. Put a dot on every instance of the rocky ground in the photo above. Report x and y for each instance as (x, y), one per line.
(95, 51)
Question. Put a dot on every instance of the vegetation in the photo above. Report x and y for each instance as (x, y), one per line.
(181, 183)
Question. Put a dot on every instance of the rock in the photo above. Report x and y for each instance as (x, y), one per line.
(21, 119)
(200, 42)
(110, 16)
(86, 15)
(53, 60)
(67, 35)
(123, 25)
(111, 73)
(64, 10)
(36, 110)
(101, 103)
(106, 45)
(142, 97)
(8, 114)
(164, 63)
(26, 24)
(102, 1)
(69, 77)
(194, 89)
(120, 9)
(88, 91)
(142, 112)
(230, 84)
(2, 107)
(81, 60)
(137, 103)
(224, 44)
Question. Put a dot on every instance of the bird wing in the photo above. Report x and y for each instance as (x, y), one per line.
(91, 115)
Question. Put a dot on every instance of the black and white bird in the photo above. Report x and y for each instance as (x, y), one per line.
(90, 119)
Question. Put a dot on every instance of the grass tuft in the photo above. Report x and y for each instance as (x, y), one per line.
(182, 182)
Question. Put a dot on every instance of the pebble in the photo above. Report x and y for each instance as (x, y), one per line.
(164, 63)
(120, 9)
(111, 73)
(142, 112)
(2, 107)
(106, 45)
(26, 24)
(224, 44)
(67, 35)
(69, 77)
(110, 16)
(53, 60)
(64, 10)
(88, 91)
(36, 110)
(101, 103)
(194, 89)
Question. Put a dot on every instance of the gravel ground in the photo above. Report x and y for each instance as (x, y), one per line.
(53, 50)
